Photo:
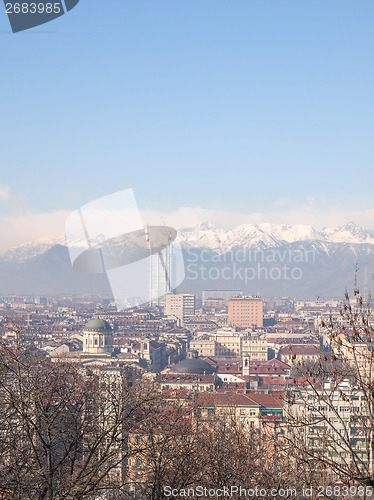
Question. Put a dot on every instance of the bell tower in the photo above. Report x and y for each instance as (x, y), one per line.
(246, 363)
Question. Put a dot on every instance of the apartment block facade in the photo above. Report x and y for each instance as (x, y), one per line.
(179, 305)
(245, 312)
(227, 342)
(334, 422)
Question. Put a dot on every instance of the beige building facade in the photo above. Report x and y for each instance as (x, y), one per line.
(179, 305)
(228, 342)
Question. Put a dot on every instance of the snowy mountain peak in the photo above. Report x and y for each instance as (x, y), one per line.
(290, 234)
(32, 249)
(207, 226)
(349, 233)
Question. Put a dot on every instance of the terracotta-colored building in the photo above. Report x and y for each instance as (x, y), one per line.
(245, 312)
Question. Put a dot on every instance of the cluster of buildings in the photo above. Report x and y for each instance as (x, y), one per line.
(236, 354)
(224, 325)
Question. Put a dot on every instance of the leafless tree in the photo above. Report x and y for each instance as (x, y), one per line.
(63, 428)
(233, 454)
(164, 450)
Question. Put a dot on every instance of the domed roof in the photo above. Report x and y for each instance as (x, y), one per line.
(193, 364)
(97, 325)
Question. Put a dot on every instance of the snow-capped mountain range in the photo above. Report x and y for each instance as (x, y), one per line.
(31, 249)
(208, 235)
(323, 262)
(211, 236)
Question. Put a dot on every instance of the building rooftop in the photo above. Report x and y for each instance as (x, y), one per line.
(97, 325)
(193, 364)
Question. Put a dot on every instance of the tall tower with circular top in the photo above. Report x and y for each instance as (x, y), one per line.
(97, 337)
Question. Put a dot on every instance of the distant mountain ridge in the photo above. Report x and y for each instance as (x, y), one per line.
(269, 259)
(213, 237)
(31, 249)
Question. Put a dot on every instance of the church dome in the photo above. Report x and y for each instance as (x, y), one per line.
(98, 325)
(193, 364)
(97, 337)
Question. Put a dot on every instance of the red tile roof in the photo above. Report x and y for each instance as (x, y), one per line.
(273, 400)
(300, 350)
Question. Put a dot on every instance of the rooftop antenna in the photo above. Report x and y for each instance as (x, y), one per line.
(167, 271)
(366, 285)
(160, 256)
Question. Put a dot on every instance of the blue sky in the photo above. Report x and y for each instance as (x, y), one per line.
(257, 107)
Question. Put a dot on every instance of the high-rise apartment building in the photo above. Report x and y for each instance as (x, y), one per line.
(179, 305)
(245, 312)
(160, 276)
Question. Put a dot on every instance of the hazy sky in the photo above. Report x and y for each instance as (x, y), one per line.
(240, 110)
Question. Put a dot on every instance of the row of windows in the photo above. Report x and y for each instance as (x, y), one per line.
(96, 342)
(337, 397)
(139, 438)
(339, 409)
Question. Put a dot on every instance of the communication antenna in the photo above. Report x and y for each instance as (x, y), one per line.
(366, 286)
